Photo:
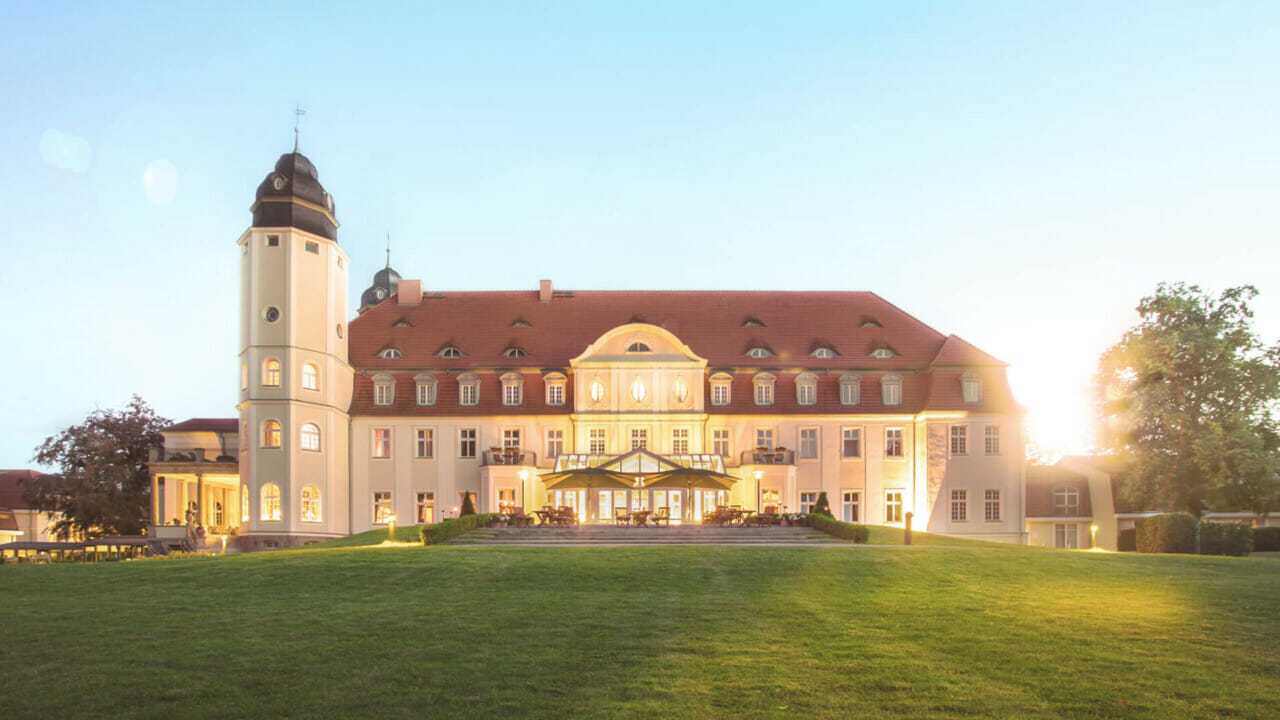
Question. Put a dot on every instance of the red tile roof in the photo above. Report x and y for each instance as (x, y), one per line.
(12, 485)
(220, 425)
(1041, 481)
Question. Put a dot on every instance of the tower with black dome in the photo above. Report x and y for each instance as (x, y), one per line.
(295, 379)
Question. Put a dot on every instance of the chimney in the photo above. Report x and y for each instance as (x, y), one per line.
(409, 292)
(544, 291)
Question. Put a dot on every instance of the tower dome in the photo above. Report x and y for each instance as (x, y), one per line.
(386, 282)
(291, 196)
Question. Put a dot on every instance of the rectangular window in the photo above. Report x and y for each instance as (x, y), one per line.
(720, 442)
(764, 393)
(273, 241)
(993, 440)
(469, 393)
(467, 443)
(770, 500)
(426, 508)
(1066, 536)
(850, 501)
(512, 393)
(806, 394)
(991, 506)
(555, 394)
(382, 443)
(639, 438)
(312, 247)
(764, 439)
(382, 393)
(849, 394)
(511, 439)
(959, 506)
(427, 393)
(720, 394)
(506, 500)
(595, 441)
(851, 443)
(555, 443)
(893, 442)
(892, 392)
(959, 440)
(426, 443)
(809, 442)
(381, 508)
(680, 441)
(807, 501)
(893, 506)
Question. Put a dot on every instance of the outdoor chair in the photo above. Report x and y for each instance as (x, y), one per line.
(661, 517)
(621, 517)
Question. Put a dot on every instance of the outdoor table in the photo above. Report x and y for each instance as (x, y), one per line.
(640, 518)
(544, 517)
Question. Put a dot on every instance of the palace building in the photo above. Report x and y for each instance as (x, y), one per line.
(348, 423)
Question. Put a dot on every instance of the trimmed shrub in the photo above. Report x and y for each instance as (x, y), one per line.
(1266, 539)
(837, 529)
(1170, 533)
(468, 507)
(1225, 539)
(452, 528)
(1127, 540)
(823, 507)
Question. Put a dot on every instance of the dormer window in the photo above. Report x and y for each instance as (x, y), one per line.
(555, 383)
(512, 390)
(720, 385)
(390, 354)
(870, 322)
(970, 388)
(468, 390)
(806, 389)
(521, 322)
(426, 387)
(891, 390)
(384, 389)
(403, 322)
(763, 385)
(638, 347)
(752, 322)
(850, 390)
(450, 352)
(1066, 501)
(883, 353)
(515, 352)
(759, 353)
(823, 353)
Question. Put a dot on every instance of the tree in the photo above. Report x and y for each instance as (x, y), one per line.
(103, 485)
(1187, 398)
(468, 507)
(823, 506)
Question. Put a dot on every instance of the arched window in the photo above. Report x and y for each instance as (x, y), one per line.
(598, 391)
(426, 385)
(680, 390)
(1066, 501)
(759, 353)
(515, 352)
(763, 384)
(390, 354)
(310, 377)
(970, 387)
(823, 353)
(512, 390)
(850, 389)
(638, 391)
(638, 347)
(891, 390)
(384, 390)
(450, 351)
(271, 434)
(310, 504)
(271, 372)
(468, 390)
(720, 386)
(883, 353)
(806, 389)
(244, 503)
(310, 437)
(555, 383)
(270, 510)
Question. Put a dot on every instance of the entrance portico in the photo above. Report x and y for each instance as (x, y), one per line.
(688, 486)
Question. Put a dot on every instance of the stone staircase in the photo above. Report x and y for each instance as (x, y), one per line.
(608, 535)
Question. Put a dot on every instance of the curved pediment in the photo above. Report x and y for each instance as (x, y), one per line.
(638, 343)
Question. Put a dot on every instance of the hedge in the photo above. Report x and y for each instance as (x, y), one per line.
(452, 528)
(1266, 539)
(1171, 533)
(1225, 539)
(1127, 540)
(835, 528)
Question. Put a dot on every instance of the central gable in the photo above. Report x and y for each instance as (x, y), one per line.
(637, 343)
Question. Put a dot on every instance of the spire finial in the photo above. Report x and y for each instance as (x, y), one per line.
(299, 112)
(388, 251)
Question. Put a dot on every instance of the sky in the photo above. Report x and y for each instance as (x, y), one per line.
(1019, 174)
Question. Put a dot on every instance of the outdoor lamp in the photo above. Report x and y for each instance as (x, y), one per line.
(1093, 536)
(391, 527)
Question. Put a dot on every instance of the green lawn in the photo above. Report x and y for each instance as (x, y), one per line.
(654, 632)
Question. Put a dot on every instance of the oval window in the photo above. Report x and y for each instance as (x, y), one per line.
(597, 390)
(680, 390)
(638, 391)
(271, 314)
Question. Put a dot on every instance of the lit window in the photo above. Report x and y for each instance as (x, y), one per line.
(1066, 501)
(809, 442)
(450, 352)
(764, 439)
(244, 503)
(270, 503)
(807, 502)
(468, 390)
(639, 438)
(680, 390)
(515, 352)
(638, 391)
(595, 441)
(770, 500)
(390, 354)
(426, 387)
(555, 389)
(959, 440)
(991, 506)
(806, 389)
(382, 442)
(506, 500)
(851, 443)
(426, 445)
(850, 390)
(384, 390)
(680, 441)
(720, 383)
(763, 384)
(970, 388)
(244, 376)
(759, 353)
(555, 443)
(823, 353)
(511, 439)
(597, 390)
(310, 504)
(959, 506)
(310, 377)
(426, 508)
(893, 506)
(992, 440)
(271, 372)
(891, 390)
(310, 437)
(271, 434)
(512, 390)
(720, 442)
(893, 442)
(638, 347)
(467, 443)
(381, 508)
(883, 353)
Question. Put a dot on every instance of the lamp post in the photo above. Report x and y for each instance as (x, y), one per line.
(391, 528)
(1093, 536)
(759, 474)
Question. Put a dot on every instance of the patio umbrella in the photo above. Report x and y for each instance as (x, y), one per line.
(591, 478)
(688, 479)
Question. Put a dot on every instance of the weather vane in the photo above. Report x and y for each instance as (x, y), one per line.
(299, 112)
(388, 250)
